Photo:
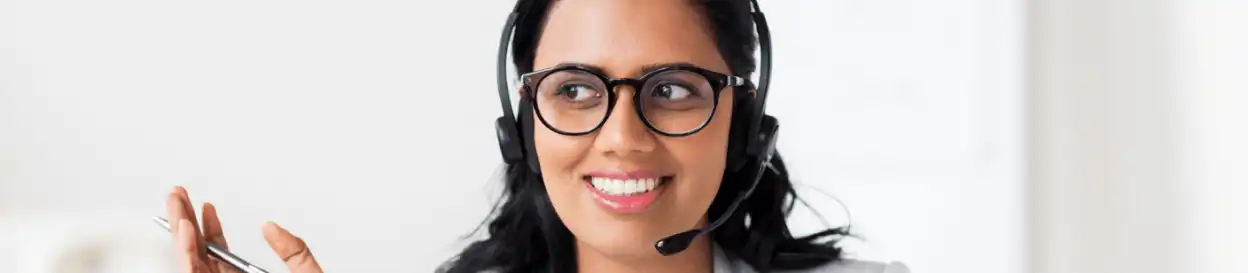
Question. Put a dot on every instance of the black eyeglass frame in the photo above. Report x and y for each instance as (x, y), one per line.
(718, 82)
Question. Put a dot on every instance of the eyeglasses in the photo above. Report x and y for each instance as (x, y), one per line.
(672, 100)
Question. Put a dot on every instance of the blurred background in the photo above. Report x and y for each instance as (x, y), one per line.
(977, 136)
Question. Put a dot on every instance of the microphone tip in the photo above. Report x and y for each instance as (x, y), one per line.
(676, 243)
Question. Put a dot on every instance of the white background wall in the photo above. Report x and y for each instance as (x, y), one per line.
(332, 118)
(1214, 59)
(1138, 148)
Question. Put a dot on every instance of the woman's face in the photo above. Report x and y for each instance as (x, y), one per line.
(623, 38)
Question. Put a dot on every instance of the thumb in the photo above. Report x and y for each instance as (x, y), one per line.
(293, 251)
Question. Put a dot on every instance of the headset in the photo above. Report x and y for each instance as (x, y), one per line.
(750, 145)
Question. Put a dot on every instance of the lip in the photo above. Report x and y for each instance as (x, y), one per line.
(626, 204)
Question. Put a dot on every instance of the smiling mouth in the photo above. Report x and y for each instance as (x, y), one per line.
(626, 193)
(626, 187)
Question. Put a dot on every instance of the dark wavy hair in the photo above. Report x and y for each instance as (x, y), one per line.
(525, 234)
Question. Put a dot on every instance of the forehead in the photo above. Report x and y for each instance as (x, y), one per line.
(623, 36)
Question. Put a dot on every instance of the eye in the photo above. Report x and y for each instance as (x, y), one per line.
(578, 92)
(672, 92)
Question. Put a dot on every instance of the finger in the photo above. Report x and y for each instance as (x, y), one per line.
(187, 250)
(184, 251)
(212, 226)
(213, 233)
(187, 207)
(188, 211)
(293, 251)
(174, 214)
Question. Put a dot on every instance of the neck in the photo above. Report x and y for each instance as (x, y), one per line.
(696, 259)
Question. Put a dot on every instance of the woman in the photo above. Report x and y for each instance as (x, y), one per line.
(633, 113)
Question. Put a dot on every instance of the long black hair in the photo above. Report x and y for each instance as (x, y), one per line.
(525, 234)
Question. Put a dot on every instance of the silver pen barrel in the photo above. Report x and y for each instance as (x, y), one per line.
(233, 260)
(218, 252)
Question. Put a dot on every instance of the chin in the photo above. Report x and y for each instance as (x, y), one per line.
(622, 249)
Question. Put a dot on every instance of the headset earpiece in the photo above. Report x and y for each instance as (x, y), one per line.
(515, 137)
(508, 140)
(765, 142)
(746, 148)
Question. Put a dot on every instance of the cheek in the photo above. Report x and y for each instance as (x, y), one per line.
(702, 159)
(558, 155)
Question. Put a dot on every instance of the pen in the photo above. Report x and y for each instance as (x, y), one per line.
(218, 252)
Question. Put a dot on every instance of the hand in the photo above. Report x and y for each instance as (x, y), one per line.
(189, 240)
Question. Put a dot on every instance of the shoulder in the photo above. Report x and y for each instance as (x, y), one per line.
(726, 264)
(857, 266)
(841, 266)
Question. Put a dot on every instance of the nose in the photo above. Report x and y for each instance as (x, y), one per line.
(624, 134)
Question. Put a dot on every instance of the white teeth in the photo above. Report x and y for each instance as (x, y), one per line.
(624, 187)
(617, 186)
(599, 183)
(606, 185)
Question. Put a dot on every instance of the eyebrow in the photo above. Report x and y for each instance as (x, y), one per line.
(644, 68)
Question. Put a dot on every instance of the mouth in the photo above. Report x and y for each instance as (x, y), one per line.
(625, 192)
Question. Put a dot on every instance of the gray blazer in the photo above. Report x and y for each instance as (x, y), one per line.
(725, 264)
